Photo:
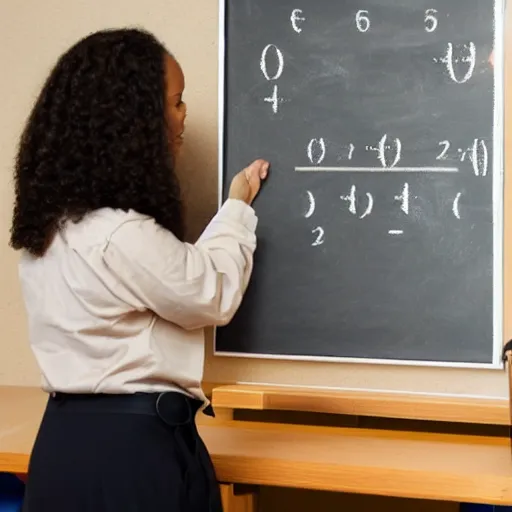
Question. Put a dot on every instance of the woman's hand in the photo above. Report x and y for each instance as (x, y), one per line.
(246, 184)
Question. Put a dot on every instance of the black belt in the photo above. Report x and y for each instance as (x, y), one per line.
(172, 407)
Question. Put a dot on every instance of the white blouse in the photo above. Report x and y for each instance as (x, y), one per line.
(119, 305)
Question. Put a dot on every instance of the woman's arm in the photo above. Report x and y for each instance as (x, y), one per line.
(190, 285)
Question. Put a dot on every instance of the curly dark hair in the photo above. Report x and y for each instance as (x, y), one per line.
(97, 137)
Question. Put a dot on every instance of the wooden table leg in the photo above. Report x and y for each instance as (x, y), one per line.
(235, 499)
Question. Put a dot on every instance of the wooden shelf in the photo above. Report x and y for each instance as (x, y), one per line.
(425, 466)
(362, 403)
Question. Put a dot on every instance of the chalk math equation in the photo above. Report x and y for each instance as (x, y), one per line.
(362, 209)
(388, 153)
(457, 62)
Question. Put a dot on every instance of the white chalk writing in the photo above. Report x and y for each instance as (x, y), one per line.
(446, 147)
(312, 205)
(352, 202)
(449, 60)
(274, 100)
(480, 157)
(362, 20)
(383, 147)
(430, 20)
(477, 153)
(280, 62)
(455, 206)
(313, 144)
(295, 18)
(320, 236)
(404, 199)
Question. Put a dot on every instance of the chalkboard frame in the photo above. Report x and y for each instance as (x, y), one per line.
(498, 208)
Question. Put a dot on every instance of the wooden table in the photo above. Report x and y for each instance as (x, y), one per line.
(402, 464)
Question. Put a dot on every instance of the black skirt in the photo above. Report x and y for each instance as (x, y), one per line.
(121, 453)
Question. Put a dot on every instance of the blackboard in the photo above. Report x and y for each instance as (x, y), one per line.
(380, 227)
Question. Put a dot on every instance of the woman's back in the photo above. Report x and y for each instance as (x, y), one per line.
(87, 301)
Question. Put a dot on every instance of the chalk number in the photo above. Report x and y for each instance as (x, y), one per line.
(362, 20)
(430, 20)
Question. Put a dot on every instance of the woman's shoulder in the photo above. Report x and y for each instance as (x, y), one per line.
(113, 216)
(98, 226)
(106, 219)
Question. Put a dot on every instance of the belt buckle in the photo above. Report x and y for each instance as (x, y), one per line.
(169, 403)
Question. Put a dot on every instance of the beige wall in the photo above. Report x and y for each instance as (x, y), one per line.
(33, 34)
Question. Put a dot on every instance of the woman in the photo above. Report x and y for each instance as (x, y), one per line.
(116, 301)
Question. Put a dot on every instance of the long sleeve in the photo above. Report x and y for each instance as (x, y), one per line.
(192, 286)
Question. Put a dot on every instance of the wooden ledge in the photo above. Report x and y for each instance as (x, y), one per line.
(362, 403)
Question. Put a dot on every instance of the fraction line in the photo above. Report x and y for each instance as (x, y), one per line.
(377, 169)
